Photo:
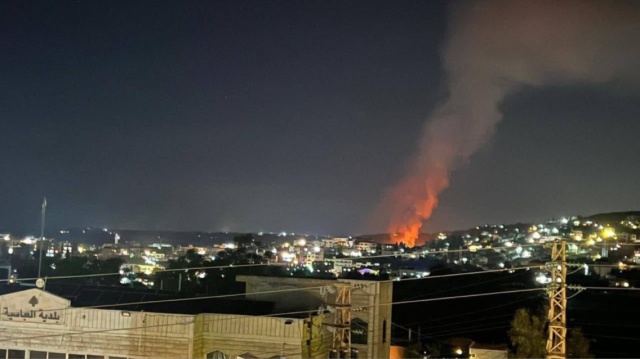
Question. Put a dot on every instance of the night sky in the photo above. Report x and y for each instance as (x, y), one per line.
(275, 116)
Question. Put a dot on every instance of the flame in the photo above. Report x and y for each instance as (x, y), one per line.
(414, 200)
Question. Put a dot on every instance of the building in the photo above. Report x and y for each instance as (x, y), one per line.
(389, 249)
(307, 258)
(488, 351)
(629, 236)
(39, 324)
(336, 242)
(365, 246)
(139, 265)
(370, 317)
(339, 264)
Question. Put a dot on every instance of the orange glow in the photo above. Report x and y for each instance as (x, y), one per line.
(396, 352)
(413, 202)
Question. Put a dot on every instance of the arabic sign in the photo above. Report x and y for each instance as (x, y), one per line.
(33, 306)
(24, 315)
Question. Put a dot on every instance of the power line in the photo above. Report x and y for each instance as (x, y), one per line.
(420, 335)
(444, 326)
(147, 326)
(270, 292)
(462, 274)
(453, 332)
(157, 271)
(467, 286)
(318, 287)
(481, 310)
(401, 255)
(266, 315)
(173, 300)
(614, 337)
(473, 331)
(450, 331)
(577, 270)
(471, 327)
(606, 324)
(574, 295)
(462, 296)
(448, 327)
(612, 288)
(621, 266)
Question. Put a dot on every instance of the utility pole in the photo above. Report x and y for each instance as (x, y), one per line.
(310, 334)
(341, 346)
(44, 212)
(557, 291)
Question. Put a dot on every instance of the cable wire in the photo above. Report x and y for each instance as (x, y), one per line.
(266, 315)
(157, 271)
(277, 264)
(268, 292)
(612, 288)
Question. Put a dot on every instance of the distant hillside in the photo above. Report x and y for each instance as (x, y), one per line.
(612, 217)
(146, 237)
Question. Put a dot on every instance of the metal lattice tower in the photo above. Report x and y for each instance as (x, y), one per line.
(557, 290)
(342, 322)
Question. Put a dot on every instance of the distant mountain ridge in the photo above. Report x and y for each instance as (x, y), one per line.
(200, 238)
(605, 218)
(611, 217)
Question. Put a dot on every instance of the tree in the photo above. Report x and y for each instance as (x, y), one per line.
(243, 240)
(193, 259)
(455, 242)
(434, 349)
(413, 350)
(110, 266)
(529, 338)
(578, 344)
(527, 335)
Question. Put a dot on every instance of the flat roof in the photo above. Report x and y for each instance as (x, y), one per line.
(117, 298)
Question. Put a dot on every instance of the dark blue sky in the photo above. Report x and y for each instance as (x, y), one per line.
(253, 115)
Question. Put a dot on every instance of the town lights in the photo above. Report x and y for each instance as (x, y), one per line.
(608, 232)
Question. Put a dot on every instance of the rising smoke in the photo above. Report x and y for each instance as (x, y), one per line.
(493, 49)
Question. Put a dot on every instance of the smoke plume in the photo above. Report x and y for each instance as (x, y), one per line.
(494, 48)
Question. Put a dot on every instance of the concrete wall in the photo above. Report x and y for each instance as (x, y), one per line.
(287, 301)
(92, 331)
(261, 336)
(368, 299)
(48, 324)
(487, 354)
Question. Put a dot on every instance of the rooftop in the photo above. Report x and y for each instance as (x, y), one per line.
(126, 298)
